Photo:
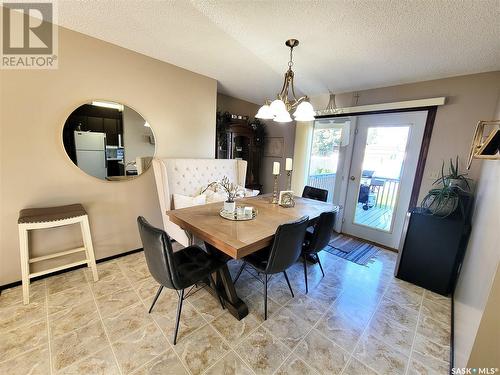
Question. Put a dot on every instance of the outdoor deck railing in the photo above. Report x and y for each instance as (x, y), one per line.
(386, 192)
(385, 189)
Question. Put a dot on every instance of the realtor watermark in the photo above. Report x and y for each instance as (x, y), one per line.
(29, 35)
(474, 370)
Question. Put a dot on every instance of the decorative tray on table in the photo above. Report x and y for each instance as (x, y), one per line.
(241, 213)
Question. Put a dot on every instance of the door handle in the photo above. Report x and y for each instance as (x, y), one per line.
(352, 178)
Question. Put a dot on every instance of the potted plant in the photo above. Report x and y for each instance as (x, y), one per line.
(441, 201)
(222, 121)
(444, 200)
(454, 178)
(232, 191)
(259, 132)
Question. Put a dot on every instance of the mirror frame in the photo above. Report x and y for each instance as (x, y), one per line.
(61, 140)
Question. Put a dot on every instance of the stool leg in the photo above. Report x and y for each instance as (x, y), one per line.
(89, 249)
(25, 268)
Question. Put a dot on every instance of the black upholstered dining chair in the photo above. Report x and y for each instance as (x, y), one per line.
(179, 270)
(315, 193)
(317, 239)
(282, 254)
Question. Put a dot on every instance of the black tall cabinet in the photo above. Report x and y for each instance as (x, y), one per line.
(238, 142)
(434, 248)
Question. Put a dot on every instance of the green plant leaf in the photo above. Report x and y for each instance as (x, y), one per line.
(451, 169)
(442, 175)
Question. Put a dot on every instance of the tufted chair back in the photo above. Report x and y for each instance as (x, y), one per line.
(187, 177)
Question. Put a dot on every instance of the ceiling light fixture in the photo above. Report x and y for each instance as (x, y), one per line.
(108, 105)
(279, 109)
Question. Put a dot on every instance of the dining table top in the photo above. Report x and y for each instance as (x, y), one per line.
(240, 238)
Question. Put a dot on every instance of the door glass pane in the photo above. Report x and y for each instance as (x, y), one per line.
(241, 148)
(381, 172)
(325, 149)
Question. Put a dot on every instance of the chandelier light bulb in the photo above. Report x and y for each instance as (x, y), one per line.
(304, 112)
(283, 117)
(304, 118)
(282, 112)
(277, 107)
(265, 113)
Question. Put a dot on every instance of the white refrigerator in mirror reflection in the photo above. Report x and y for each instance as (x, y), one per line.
(91, 153)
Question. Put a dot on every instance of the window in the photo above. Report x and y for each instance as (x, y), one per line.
(325, 149)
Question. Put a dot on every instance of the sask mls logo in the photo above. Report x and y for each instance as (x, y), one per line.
(29, 36)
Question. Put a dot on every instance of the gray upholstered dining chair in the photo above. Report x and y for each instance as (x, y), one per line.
(282, 254)
(179, 270)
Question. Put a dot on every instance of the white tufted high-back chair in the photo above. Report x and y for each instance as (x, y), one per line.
(187, 177)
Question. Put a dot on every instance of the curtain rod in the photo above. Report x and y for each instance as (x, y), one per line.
(430, 102)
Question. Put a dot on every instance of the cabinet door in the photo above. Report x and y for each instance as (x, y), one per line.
(113, 168)
(241, 147)
(94, 124)
(110, 127)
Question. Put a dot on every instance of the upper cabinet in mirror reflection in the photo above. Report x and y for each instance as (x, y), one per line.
(109, 140)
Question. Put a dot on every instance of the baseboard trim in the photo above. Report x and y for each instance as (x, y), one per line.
(371, 242)
(17, 283)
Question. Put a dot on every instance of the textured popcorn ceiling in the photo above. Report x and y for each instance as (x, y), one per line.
(344, 45)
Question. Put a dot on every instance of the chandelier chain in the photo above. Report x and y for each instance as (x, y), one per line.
(290, 63)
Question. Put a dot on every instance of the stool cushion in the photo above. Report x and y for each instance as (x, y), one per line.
(46, 214)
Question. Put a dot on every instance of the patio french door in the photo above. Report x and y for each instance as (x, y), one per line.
(382, 169)
(327, 154)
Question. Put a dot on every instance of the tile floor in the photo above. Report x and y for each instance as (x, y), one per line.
(356, 320)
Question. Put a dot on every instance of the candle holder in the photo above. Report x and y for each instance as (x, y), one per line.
(289, 180)
(275, 189)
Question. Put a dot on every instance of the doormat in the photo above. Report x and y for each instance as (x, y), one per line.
(352, 249)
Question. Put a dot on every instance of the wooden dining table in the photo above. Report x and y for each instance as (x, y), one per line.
(237, 239)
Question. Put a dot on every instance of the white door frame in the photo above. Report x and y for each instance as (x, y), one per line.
(342, 174)
(342, 184)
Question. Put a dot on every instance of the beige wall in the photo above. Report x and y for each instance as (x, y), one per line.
(469, 99)
(135, 136)
(480, 263)
(35, 171)
(476, 301)
(302, 151)
(487, 343)
(236, 106)
(287, 132)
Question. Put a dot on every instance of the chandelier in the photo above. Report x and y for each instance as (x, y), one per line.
(279, 109)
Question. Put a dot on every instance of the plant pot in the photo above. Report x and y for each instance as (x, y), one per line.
(458, 183)
(229, 206)
(444, 208)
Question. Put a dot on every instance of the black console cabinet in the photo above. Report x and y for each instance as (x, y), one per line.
(434, 248)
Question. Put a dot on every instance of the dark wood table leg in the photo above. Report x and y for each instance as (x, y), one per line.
(225, 286)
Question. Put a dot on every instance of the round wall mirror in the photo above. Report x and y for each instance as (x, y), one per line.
(109, 140)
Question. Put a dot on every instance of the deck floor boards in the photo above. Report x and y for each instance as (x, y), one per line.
(375, 217)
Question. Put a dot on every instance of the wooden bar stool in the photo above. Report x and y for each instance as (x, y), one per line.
(51, 217)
